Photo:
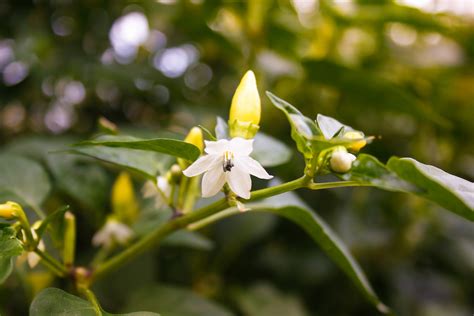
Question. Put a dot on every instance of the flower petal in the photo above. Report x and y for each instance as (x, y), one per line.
(240, 182)
(252, 166)
(213, 181)
(240, 146)
(217, 147)
(202, 165)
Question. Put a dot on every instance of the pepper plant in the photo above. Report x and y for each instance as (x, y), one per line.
(197, 182)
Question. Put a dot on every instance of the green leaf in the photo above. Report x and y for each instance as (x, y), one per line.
(6, 268)
(408, 175)
(303, 129)
(322, 234)
(369, 170)
(146, 163)
(449, 191)
(264, 300)
(173, 147)
(56, 302)
(188, 239)
(59, 213)
(174, 301)
(10, 246)
(269, 151)
(23, 180)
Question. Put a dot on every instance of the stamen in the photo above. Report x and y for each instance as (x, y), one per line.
(228, 164)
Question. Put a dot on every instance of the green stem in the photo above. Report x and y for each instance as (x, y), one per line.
(52, 263)
(337, 184)
(153, 237)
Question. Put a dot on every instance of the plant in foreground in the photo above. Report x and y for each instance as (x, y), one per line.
(230, 157)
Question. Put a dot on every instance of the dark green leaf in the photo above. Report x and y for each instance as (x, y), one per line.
(56, 302)
(368, 169)
(449, 191)
(188, 239)
(409, 175)
(59, 213)
(270, 151)
(6, 268)
(174, 301)
(23, 180)
(173, 147)
(146, 163)
(10, 246)
(321, 233)
(303, 129)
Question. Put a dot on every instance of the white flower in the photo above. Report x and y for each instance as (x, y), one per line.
(160, 191)
(227, 161)
(341, 161)
(112, 232)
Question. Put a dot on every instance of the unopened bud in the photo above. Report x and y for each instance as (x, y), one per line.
(245, 109)
(194, 137)
(175, 174)
(341, 161)
(10, 210)
(357, 145)
(124, 203)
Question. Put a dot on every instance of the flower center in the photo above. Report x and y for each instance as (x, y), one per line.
(228, 164)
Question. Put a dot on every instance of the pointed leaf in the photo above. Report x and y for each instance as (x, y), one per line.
(56, 302)
(59, 213)
(23, 180)
(449, 191)
(303, 129)
(173, 147)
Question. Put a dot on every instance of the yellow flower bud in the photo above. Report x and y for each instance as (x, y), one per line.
(10, 210)
(195, 137)
(124, 204)
(356, 146)
(246, 101)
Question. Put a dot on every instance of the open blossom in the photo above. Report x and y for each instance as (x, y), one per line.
(112, 232)
(227, 161)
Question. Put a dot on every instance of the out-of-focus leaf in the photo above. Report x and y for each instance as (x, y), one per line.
(146, 163)
(303, 129)
(372, 90)
(173, 147)
(188, 239)
(6, 268)
(174, 301)
(23, 180)
(449, 191)
(322, 234)
(10, 247)
(56, 302)
(59, 213)
(408, 175)
(269, 151)
(264, 300)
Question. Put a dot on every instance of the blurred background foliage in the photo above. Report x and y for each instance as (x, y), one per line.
(401, 70)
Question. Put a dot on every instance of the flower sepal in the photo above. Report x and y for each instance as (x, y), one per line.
(244, 129)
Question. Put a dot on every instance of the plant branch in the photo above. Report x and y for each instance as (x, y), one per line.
(51, 263)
